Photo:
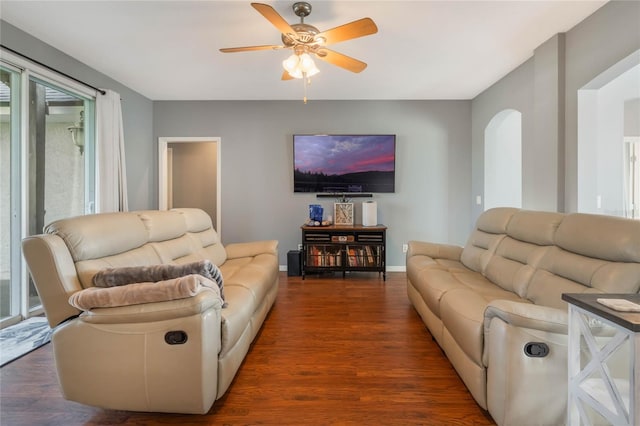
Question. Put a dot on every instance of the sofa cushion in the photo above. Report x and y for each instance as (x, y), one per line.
(478, 250)
(209, 245)
(257, 276)
(496, 220)
(512, 265)
(176, 250)
(247, 282)
(236, 317)
(491, 227)
(561, 271)
(462, 313)
(546, 289)
(163, 225)
(432, 284)
(423, 255)
(91, 236)
(483, 286)
(534, 227)
(610, 238)
(196, 220)
(142, 256)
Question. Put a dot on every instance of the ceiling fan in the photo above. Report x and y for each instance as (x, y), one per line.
(306, 41)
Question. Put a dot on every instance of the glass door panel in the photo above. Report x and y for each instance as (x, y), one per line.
(47, 172)
(632, 177)
(56, 159)
(9, 194)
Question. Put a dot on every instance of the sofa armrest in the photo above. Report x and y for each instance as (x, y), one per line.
(434, 250)
(527, 315)
(156, 311)
(518, 384)
(251, 249)
(54, 274)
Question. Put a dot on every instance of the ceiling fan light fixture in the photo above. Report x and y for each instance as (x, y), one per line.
(299, 66)
(296, 74)
(313, 71)
(291, 63)
(307, 65)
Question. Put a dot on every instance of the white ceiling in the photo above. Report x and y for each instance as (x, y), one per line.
(168, 50)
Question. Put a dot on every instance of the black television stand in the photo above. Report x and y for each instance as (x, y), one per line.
(344, 248)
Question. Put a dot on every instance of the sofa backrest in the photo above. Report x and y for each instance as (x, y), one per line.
(73, 250)
(490, 229)
(592, 253)
(198, 241)
(540, 255)
(106, 240)
(529, 235)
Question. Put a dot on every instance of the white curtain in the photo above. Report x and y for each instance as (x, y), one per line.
(110, 162)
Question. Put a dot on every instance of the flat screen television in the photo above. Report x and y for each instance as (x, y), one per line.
(344, 163)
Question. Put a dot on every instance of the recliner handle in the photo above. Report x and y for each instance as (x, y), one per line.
(177, 337)
(536, 349)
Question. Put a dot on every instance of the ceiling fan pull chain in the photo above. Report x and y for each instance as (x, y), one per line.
(306, 80)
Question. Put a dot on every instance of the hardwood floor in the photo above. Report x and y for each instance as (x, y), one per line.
(332, 351)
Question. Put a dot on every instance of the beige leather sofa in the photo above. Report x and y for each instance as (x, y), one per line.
(485, 304)
(168, 356)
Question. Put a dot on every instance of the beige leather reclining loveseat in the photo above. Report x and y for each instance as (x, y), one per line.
(168, 356)
(493, 305)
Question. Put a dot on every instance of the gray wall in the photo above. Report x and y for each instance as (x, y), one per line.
(137, 112)
(433, 164)
(544, 89)
(440, 143)
(514, 91)
(597, 43)
(535, 89)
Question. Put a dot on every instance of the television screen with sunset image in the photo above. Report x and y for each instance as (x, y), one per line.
(344, 163)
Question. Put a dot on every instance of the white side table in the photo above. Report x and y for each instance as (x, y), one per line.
(604, 378)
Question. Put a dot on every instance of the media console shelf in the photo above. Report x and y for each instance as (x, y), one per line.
(344, 248)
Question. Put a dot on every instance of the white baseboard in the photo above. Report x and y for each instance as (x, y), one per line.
(401, 268)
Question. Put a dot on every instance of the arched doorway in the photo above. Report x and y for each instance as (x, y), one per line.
(503, 160)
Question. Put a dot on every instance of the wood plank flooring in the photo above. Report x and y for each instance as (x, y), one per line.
(333, 351)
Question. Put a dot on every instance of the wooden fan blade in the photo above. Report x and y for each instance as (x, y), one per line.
(286, 76)
(251, 48)
(360, 28)
(343, 61)
(275, 18)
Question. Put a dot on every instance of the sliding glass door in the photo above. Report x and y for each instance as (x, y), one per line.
(47, 167)
(9, 191)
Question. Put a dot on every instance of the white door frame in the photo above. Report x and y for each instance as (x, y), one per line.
(163, 170)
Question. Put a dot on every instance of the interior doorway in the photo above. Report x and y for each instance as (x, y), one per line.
(608, 121)
(189, 174)
(503, 160)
